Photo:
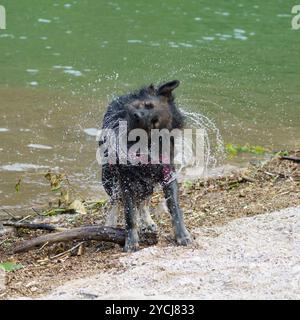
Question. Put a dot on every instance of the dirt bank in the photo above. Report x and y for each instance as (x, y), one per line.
(212, 210)
(249, 258)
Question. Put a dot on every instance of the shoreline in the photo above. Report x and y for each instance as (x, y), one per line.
(214, 203)
(228, 262)
(218, 172)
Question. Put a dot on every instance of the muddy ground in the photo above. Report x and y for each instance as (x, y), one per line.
(209, 207)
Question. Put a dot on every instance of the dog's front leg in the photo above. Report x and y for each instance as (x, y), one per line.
(132, 237)
(145, 220)
(171, 194)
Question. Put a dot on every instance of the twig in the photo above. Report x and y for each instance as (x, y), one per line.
(10, 214)
(43, 246)
(67, 251)
(294, 159)
(270, 174)
(32, 226)
(25, 218)
(34, 210)
(249, 179)
(3, 241)
(285, 193)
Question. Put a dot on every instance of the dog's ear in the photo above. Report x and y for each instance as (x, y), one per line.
(151, 89)
(167, 88)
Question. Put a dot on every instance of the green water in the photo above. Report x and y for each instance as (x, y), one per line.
(61, 62)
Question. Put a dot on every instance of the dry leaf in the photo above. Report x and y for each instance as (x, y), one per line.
(78, 206)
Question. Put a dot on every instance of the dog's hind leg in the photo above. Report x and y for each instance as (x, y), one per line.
(112, 217)
(132, 237)
(146, 223)
(171, 194)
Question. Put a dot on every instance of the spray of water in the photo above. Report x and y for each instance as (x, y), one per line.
(213, 142)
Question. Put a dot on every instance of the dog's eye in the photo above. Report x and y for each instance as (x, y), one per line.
(149, 105)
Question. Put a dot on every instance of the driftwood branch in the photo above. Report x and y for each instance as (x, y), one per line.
(98, 233)
(32, 226)
(295, 159)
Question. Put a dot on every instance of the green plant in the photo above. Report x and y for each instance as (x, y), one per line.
(10, 266)
(234, 149)
(188, 184)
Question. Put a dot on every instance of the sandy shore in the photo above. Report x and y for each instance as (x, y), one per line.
(249, 258)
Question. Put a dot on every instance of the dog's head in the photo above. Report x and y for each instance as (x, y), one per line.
(153, 108)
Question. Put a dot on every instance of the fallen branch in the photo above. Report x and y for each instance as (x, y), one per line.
(294, 159)
(32, 226)
(98, 233)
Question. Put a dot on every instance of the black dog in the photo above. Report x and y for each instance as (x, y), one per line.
(149, 108)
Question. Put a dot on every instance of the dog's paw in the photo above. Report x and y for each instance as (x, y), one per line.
(184, 240)
(149, 228)
(131, 241)
(131, 247)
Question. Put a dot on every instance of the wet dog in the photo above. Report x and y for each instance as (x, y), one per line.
(131, 185)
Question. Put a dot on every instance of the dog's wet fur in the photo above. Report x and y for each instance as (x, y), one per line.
(131, 185)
